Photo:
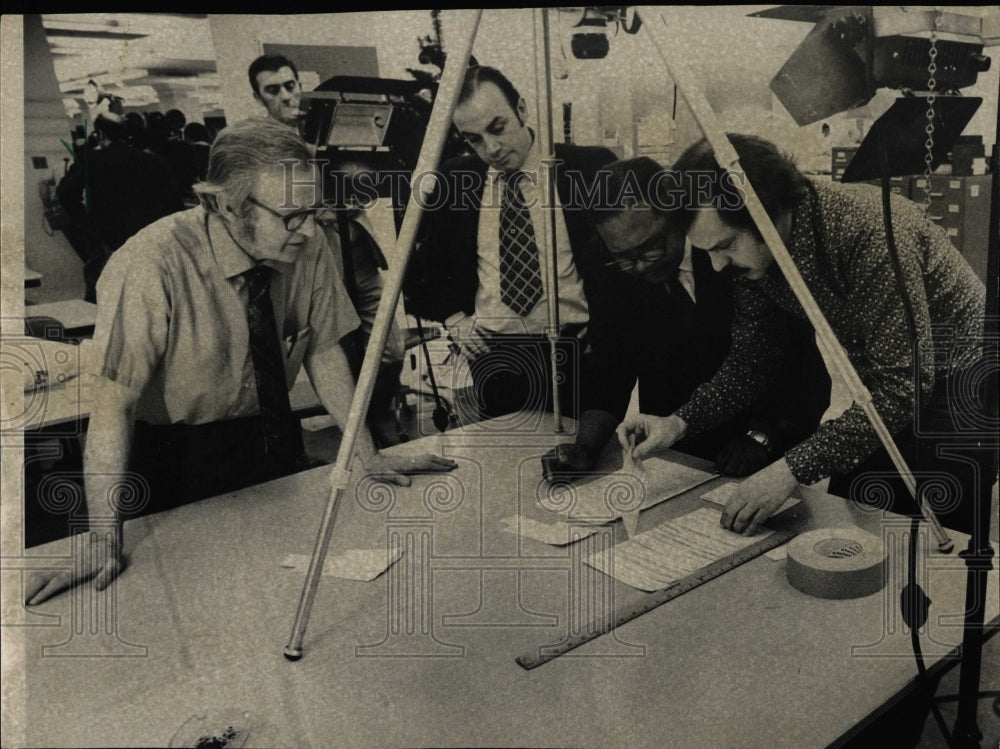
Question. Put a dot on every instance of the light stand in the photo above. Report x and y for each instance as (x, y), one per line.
(979, 555)
(726, 156)
(543, 96)
(340, 474)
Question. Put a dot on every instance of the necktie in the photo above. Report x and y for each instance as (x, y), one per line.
(520, 272)
(282, 436)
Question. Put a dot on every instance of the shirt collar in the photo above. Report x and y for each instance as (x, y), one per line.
(231, 258)
(686, 263)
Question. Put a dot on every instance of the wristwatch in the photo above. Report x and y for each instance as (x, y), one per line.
(761, 439)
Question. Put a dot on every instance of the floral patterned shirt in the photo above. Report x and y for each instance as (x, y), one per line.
(838, 244)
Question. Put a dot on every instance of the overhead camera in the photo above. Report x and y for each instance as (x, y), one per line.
(589, 39)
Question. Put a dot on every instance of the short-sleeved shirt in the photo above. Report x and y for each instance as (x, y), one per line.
(172, 318)
(839, 245)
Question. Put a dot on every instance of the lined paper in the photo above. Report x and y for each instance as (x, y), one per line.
(672, 550)
(604, 499)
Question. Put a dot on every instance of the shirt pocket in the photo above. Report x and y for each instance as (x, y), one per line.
(295, 347)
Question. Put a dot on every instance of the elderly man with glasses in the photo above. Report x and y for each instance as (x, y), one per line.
(204, 319)
(660, 318)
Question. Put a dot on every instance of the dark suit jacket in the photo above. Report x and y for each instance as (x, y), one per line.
(442, 277)
(641, 332)
(128, 190)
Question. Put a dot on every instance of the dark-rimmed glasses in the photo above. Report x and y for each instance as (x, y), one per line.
(648, 252)
(294, 220)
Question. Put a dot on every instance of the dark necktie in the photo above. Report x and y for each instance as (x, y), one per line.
(520, 272)
(282, 436)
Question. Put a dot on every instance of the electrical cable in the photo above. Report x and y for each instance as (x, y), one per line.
(983, 695)
(440, 417)
(913, 601)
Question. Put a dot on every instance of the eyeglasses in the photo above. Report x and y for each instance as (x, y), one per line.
(649, 251)
(294, 220)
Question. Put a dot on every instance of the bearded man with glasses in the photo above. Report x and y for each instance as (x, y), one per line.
(204, 319)
(660, 318)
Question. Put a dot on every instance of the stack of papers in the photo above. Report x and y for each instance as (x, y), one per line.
(656, 558)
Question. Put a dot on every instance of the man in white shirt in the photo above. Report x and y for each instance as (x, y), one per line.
(479, 267)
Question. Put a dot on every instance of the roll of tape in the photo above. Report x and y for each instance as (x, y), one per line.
(836, 563)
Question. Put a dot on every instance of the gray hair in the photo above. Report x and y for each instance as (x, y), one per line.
(241, 153)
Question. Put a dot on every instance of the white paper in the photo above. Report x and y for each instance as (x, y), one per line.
(353, 564)
(554, 534)
(605, 498)
(672, 550)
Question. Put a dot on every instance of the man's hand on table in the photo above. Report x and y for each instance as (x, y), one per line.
(758, 497)
(393, 469)
(97, 558)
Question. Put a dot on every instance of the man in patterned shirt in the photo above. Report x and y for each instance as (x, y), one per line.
(835, 235)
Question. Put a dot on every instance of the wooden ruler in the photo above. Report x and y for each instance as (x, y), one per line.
(546, 653)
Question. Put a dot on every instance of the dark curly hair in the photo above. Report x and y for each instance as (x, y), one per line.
(775, 178)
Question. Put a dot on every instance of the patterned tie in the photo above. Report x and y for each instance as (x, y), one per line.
(520, 273)
(282, 436)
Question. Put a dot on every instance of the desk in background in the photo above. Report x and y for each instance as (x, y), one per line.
(77, 316)
(55, 416)
(204, 611)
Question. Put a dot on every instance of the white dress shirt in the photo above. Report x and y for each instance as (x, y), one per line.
(492, 313)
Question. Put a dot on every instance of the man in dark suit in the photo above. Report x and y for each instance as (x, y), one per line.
(660, 316)
(478, 268)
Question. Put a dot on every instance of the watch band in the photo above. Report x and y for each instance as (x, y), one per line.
(761, 439)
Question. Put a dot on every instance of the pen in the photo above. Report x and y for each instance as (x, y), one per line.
(630, 518)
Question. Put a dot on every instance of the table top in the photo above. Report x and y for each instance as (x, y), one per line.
(425, 654)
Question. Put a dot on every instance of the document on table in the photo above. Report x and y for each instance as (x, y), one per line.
(606, 498)
(353, 564)
(672, 550)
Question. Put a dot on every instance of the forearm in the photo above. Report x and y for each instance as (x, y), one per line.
(331, 378)
(840, 444)
(595, 429)
(109, 441)
(755, 354)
